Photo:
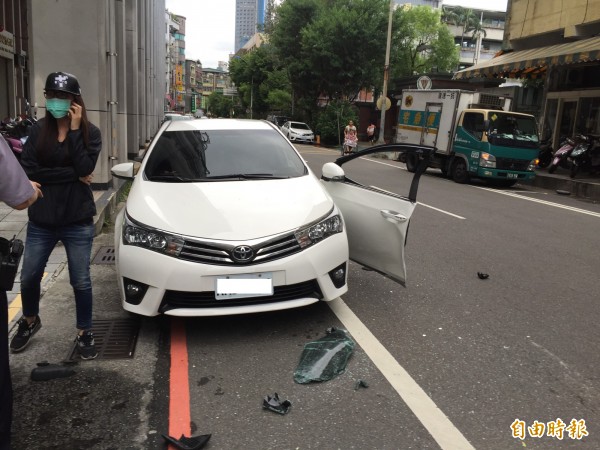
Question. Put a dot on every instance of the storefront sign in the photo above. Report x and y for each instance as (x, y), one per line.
(7, 44)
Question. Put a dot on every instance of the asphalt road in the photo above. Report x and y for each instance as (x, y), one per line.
(451, 361)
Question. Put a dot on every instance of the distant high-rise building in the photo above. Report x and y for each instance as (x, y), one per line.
(249, 17)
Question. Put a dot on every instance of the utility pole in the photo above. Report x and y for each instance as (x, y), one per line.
(386, 74)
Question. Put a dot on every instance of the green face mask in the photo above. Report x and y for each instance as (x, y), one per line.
(58, 107)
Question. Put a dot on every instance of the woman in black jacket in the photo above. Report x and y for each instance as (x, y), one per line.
(60, 154)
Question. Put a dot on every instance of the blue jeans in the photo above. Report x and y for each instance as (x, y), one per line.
(40, 242)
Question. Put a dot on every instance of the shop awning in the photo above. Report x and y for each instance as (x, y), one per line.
(533, 63)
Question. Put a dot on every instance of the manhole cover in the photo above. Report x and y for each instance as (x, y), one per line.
(115, 339)
(105, 255)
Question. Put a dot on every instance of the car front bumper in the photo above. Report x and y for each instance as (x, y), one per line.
(184, 288)
(310, 139)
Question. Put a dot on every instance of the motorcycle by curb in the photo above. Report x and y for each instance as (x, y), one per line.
(585, 156)
(561, 156)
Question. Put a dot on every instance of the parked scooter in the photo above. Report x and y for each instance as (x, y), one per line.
(561, 156)
(585, 156)
(15, 132)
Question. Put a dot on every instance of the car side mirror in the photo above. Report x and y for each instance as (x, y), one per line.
(125, 171)
(332, 172)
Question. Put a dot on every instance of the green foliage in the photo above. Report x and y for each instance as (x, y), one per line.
(219, 105)
(464, 18)
(279, 100)
(331, 47)
(332, 119)
(257, 75)
(421, 42)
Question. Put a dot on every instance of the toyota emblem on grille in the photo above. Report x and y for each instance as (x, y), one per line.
(243, 253)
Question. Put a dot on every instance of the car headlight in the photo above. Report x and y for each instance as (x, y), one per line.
(487, 160)
(317, 232)
(149, 238)
(533, 164)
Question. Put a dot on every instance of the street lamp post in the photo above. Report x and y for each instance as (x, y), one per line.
(386, 74)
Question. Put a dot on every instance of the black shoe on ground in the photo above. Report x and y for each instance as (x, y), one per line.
(86, 345)
(24, 333)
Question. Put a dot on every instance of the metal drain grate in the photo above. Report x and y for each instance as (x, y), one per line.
(105, 255)
(115, 339)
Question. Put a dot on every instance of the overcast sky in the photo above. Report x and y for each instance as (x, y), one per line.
(210, 25)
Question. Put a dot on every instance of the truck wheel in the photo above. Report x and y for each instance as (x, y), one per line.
(460, 174)
(411, 162)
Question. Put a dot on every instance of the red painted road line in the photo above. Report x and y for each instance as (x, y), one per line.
(179, 391)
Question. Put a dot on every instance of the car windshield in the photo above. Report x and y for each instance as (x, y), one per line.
(512, 130)
(217, 155)
(299, 126)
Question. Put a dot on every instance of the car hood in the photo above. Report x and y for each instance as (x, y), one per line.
(229, 210)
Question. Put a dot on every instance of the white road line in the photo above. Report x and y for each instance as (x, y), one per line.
(441, 210)
(543, 202)
(433, 419)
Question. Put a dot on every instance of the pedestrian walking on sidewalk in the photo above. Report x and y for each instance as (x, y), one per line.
(61, 154)
(17, 192)
(371, 133)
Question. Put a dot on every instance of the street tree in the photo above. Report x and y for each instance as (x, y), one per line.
(219, 105)
(465, 19)
(292, 16)
(421, 42)
(330, 48)
(345, 46)
(262, 83)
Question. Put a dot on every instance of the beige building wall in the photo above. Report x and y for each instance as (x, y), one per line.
(561, 19)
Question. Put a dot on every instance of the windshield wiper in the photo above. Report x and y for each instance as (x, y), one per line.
(173, 178)
(246, 176)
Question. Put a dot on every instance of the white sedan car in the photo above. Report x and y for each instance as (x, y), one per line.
(298, 132)
(224, 217)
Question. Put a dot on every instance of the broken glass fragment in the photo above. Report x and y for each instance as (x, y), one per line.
(325, 358)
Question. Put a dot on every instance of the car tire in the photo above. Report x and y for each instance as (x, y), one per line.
(460, 174)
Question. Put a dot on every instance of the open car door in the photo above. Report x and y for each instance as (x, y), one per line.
(376, 220)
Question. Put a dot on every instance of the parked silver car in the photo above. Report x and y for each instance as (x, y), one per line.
(298, 132)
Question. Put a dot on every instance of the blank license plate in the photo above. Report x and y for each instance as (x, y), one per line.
(246, 285)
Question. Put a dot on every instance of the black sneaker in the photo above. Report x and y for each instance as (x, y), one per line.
(86, 345)
(24, 333)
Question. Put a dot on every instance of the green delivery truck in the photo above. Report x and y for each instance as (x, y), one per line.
(474, 134)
